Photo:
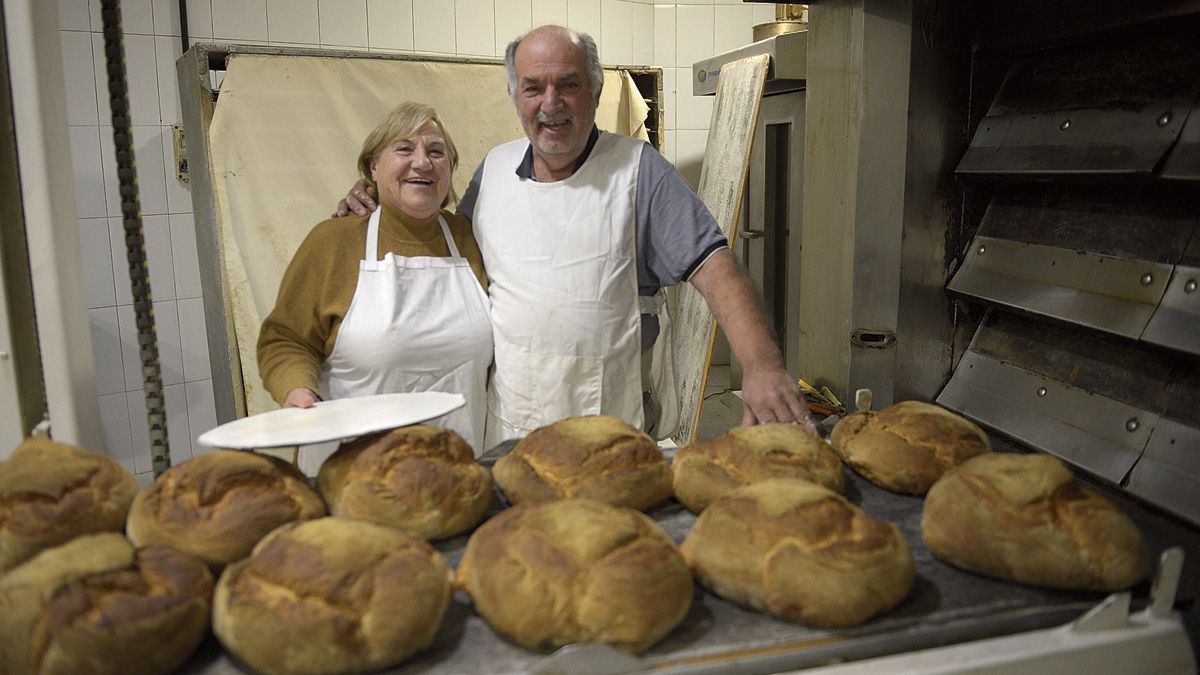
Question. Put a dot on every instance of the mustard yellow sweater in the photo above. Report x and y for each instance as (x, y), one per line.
(319, 283)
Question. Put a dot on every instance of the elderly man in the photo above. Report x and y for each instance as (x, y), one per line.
(578, 228)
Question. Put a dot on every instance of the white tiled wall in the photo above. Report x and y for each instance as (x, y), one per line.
(670, 35)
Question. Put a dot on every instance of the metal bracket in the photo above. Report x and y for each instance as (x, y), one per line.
(1112, 612)
(1166, 583)
(872, 339)
(179, 147)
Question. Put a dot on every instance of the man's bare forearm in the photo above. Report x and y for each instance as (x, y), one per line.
(769, 392)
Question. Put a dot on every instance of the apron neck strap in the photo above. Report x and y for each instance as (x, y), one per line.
(449, 239)
(371, 254)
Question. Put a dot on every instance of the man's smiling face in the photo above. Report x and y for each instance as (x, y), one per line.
(554, 100)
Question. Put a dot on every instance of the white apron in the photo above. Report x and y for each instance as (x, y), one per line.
(563, 279)
(415, 324)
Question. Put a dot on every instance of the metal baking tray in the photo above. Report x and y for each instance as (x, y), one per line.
(946, 606)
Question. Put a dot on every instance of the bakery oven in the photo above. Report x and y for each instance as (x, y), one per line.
(998, 211)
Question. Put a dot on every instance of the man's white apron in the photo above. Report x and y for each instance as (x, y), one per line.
(563, 279)
(415, 324)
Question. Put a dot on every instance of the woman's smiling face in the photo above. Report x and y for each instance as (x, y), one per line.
(413, 172)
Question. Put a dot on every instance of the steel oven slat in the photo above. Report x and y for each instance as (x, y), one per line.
(1103, 436)
(1103, 292)
(1107, 107)
(1176, 321)
(1166, 473)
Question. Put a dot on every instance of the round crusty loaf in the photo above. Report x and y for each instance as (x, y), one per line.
(52, 492)
(907, 446)
(216, 506)
(594, 457)
(1024, 518)
(706, 469)
(96, 605)
(331, 596)
(796, 550)
(421, 479)
(576, 570)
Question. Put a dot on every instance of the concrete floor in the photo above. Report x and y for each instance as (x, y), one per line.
(721, 409)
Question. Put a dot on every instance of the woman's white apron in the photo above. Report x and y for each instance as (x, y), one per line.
(415, 324)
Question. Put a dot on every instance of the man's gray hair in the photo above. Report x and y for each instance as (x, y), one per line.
(582, 40)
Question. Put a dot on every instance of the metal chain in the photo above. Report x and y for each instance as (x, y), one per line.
(135, 241)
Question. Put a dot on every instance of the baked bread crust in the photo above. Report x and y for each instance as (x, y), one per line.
(906, 447)
(704, 470)
(420, 479)
(53, 492)
(595, 457)
(1024, 518)
(216, 506)
(97, 605)
(331, 595)
(796, 550)
(576, 570)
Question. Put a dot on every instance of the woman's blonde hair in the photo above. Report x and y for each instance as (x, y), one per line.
(403, 121)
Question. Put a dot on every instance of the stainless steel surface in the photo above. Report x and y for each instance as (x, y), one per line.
(788, 68)
(1099, 291)
(1069, 142)
(775, 210)
(1102, 107)
(1107, 261)
(1175, 320)
(1183, 163)
(762, 31)
(1167, 473)
(1085, 429)
(850, 266)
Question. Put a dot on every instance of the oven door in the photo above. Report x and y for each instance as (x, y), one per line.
(769, 245)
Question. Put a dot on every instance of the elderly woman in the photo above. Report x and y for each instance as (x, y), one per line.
(394, 302)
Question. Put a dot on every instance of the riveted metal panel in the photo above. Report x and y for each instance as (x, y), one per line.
(1168, 474)
(1098, 434)
(1107, 107)
(1135, 221)
(1176, 320)
(1184, 161)
(1098, 291)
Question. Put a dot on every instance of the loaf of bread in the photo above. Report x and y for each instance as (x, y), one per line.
(576, 570)
(96, 605)
(704, 470)
(796, 550)
(907, 446)
(421, 479)
(595, 457)
(52, 492)
(216, 506)
(1024, 518)
(331, 596)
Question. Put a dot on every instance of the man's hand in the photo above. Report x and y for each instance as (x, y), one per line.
(772, 396)
(769, 393)
(300, 397)
(360, 199)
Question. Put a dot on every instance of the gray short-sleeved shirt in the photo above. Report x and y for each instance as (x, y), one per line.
(675, 231)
